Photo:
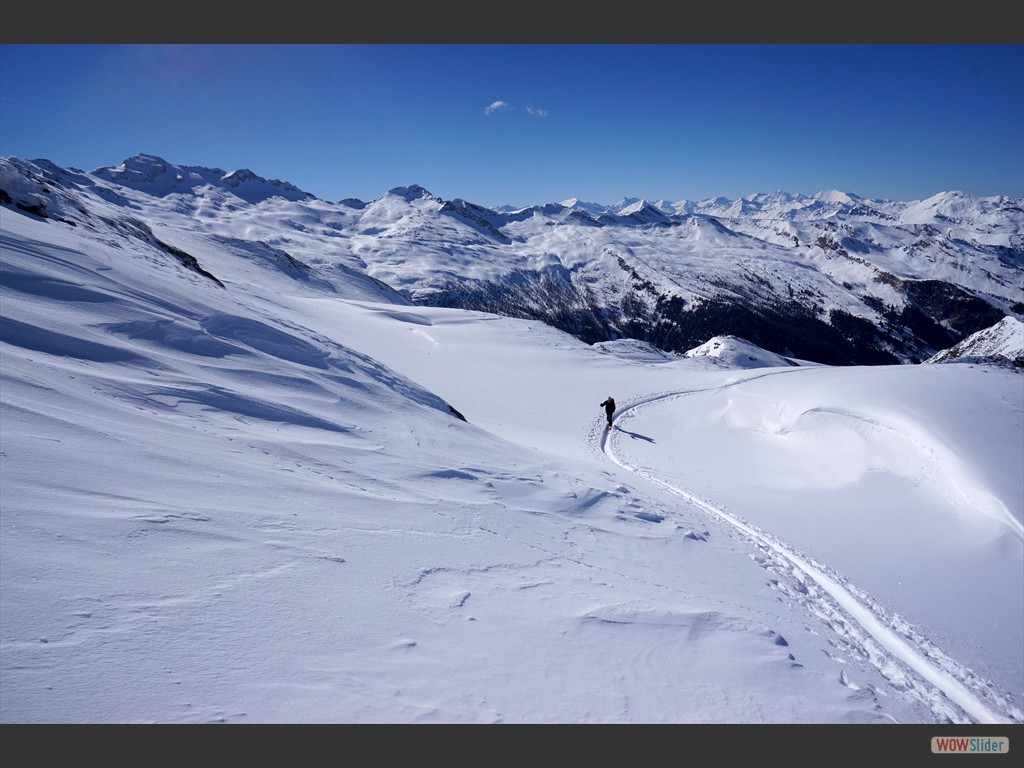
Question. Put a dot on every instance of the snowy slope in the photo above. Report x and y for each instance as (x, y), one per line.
(1003, 341)
(234, 490)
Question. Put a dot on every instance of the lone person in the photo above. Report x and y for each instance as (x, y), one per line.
(609, 409)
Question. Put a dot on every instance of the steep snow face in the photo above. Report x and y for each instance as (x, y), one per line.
(1004, 340)
(953, 204)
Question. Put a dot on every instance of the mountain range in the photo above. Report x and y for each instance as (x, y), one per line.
(832, 278)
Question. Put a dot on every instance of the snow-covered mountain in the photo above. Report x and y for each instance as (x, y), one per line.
(832, 278)
(1002, 343)
(244, 478)
(738, 353)
(159, 178)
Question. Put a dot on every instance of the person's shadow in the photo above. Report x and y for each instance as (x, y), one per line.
(634, 435)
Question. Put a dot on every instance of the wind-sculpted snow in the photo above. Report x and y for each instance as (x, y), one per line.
(190, 399)
(39, 339)
(406, 317)
(178, 334)
(264, 338)
(38, 284)
(903, 654)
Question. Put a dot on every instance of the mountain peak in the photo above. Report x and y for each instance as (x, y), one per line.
(1005, 339)
(736, 352)
(835, 196)
(412, 192)
(155, 176)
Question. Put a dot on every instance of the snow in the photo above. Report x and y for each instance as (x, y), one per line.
(740, 353)
(1005, 339)
(253, 504)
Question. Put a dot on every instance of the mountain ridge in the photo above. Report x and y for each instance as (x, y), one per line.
(145, 172)
(1001, 344)
(833, 277)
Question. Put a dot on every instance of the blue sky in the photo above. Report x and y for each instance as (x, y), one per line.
(524, 124)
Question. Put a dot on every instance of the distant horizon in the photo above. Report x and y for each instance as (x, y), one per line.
(622, 200)
(529, 124)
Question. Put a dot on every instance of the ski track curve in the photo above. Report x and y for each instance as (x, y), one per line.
(881, 638)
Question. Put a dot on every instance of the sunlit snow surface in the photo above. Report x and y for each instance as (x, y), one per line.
(253, 504)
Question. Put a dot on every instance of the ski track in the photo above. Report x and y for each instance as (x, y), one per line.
(879, 637)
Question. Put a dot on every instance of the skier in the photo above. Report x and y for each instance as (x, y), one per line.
(609, 409)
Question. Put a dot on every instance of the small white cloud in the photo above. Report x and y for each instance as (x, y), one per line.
(495, 106)
(537, 112)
